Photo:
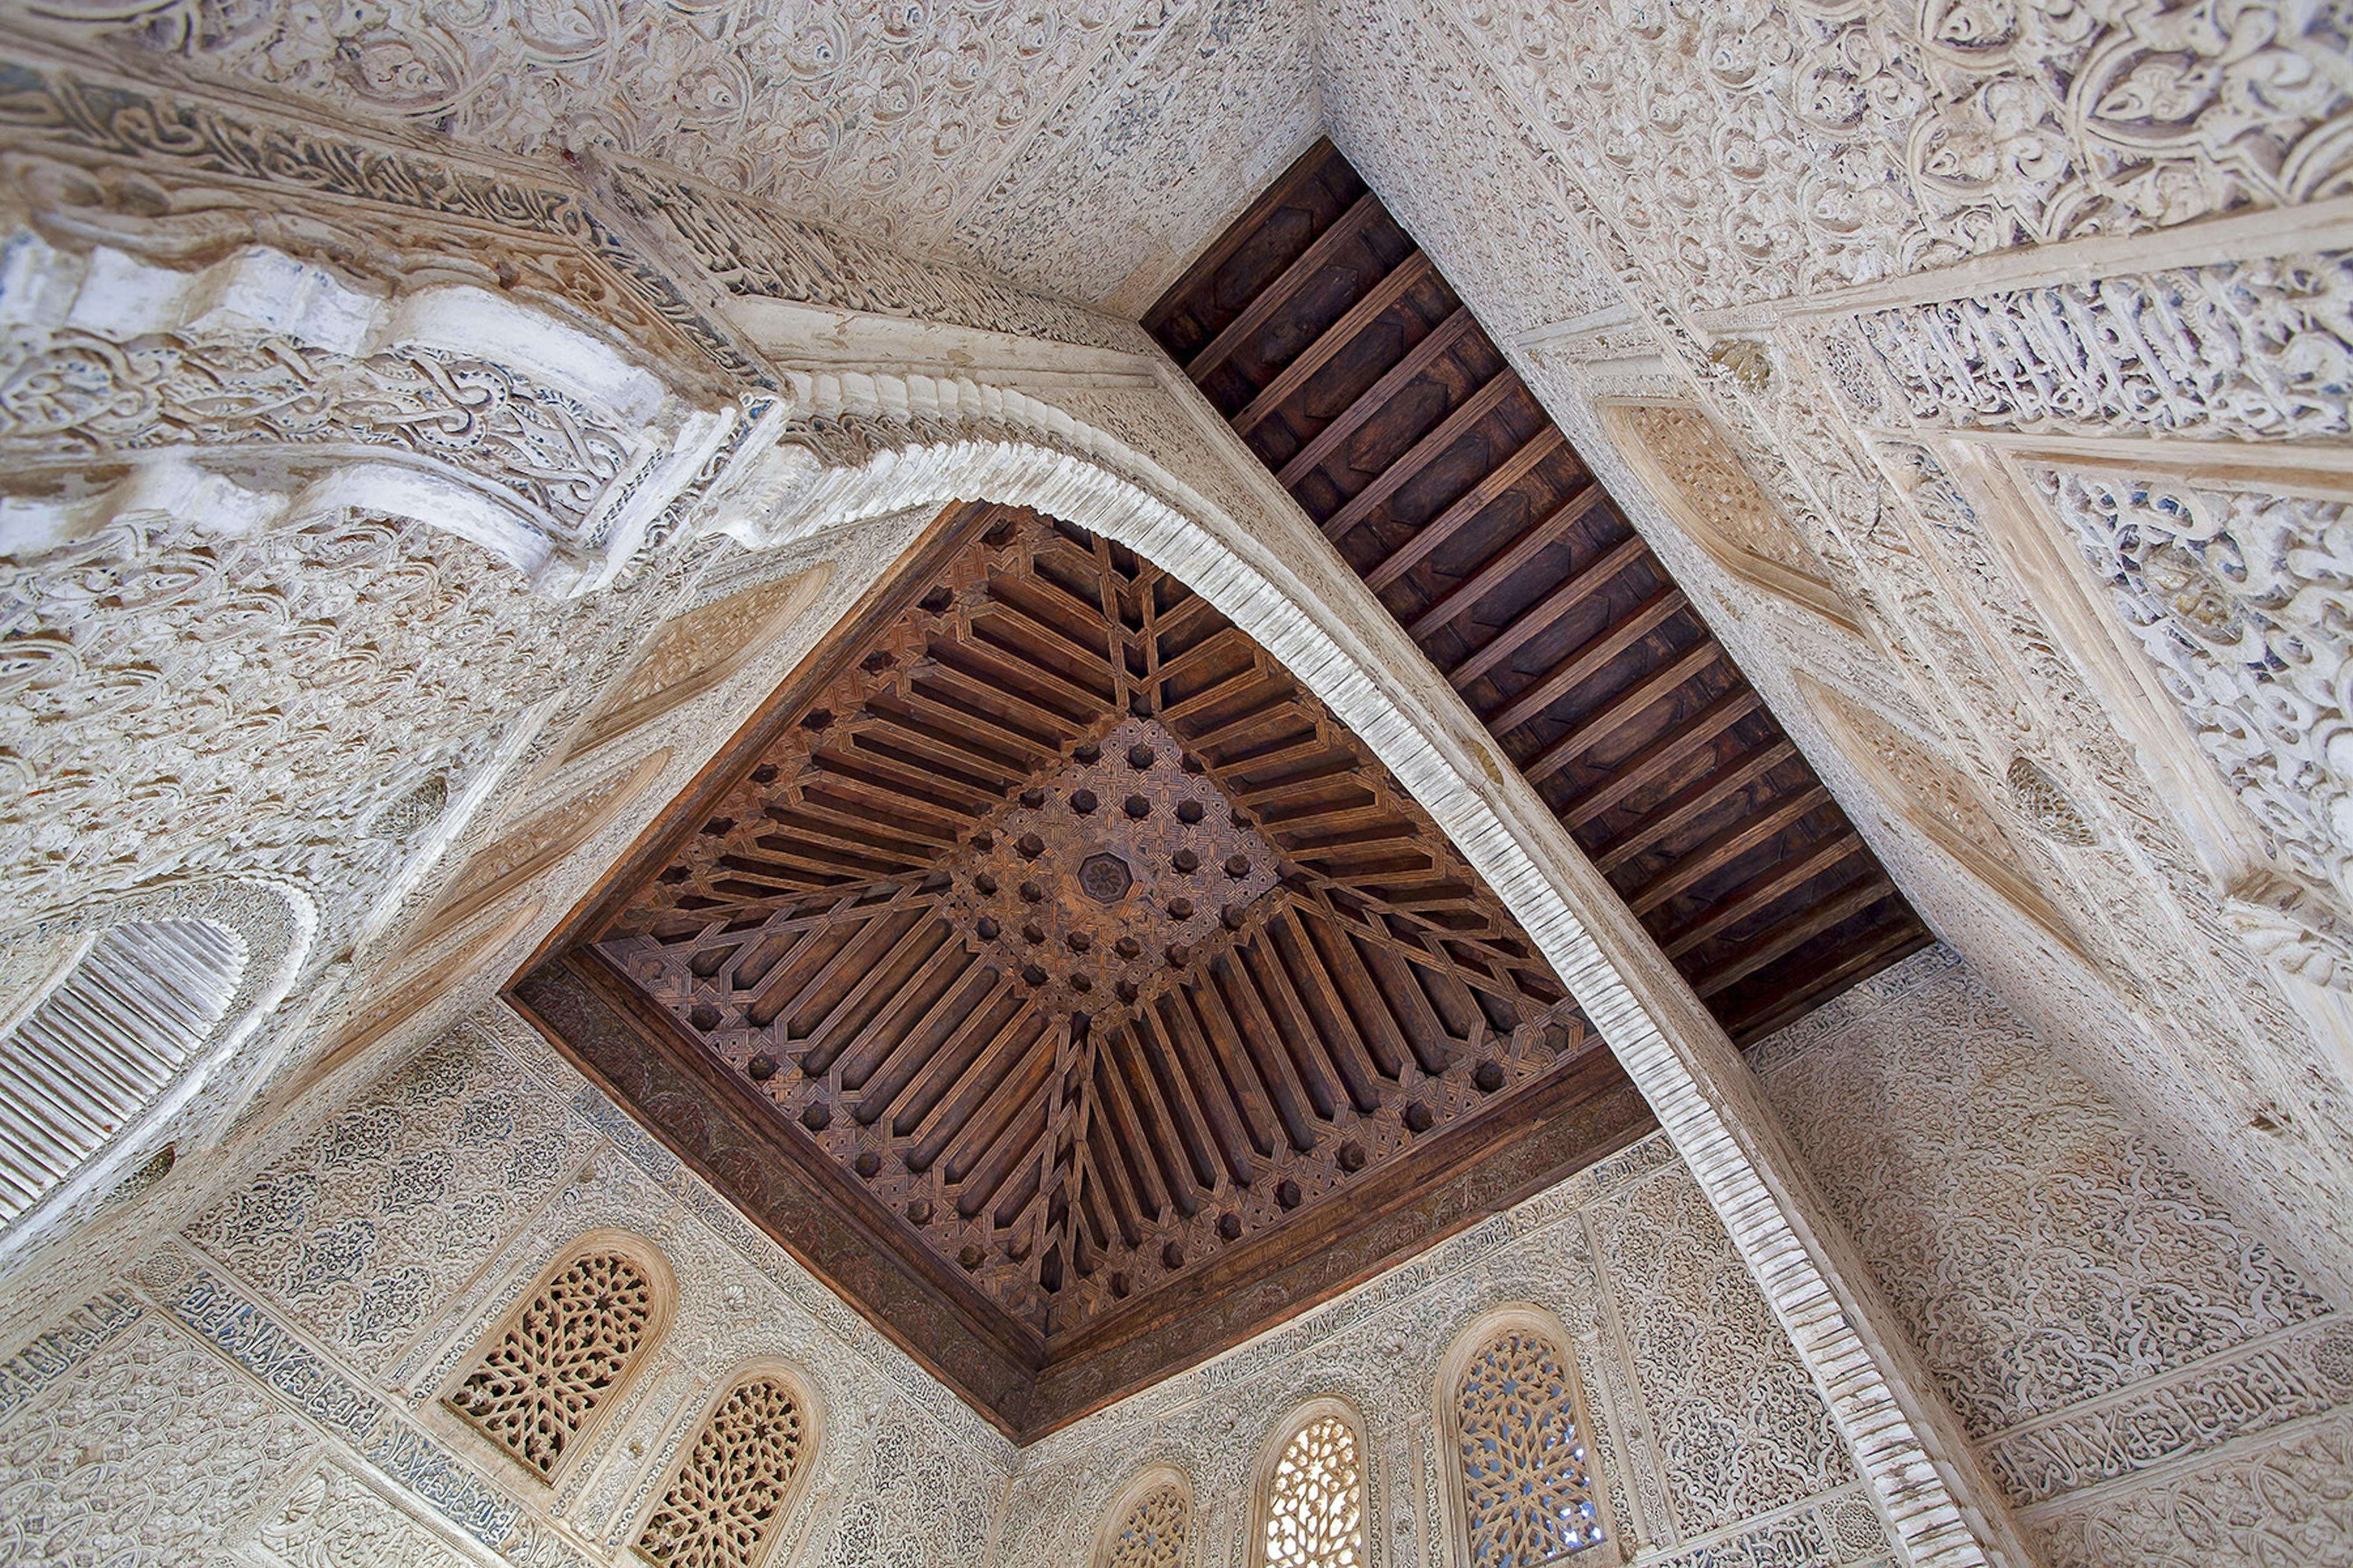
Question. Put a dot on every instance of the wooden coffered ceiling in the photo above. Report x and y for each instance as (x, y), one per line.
(1050, 972)
(1343, 360)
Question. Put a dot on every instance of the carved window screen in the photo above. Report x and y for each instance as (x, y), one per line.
(535, 1387)
(1528, 1486)
(726, 1501)
(1153, 1533)
(1315, 1501)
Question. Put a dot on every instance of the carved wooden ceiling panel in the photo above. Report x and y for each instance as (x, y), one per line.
(1343, 359)
(1091, 970)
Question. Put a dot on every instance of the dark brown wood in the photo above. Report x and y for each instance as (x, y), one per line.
(1549, 611)
(1658, 755)
(1447, 523)
(1055, 928)
(1375, 397)
(1597, 728)
(1776, 882)
(1380, 298)
(1589, 658)
(1312, 166)
(1499, 568)
(1669, 816)
(1808, 987)
(1638, 773)
(1836, 910)
(1724, 848)
(1457, 424)
(1264, 309)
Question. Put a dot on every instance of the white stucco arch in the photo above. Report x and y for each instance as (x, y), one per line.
(884, 443)
(269, 924)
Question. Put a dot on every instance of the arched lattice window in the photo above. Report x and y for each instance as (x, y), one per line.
(1311, 1509)
(1148, 1523)
(1524, 1486)
(727, 1497)
(106, 1038)
(539, 1383)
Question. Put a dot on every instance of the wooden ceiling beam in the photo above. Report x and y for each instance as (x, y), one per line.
(1311, 166)
(1621, 710)
(777, 995)
(1589, 660)
(1139, 1149)
(1760, 893)
(833, 1037)
(1797, 996)
(891, 1081)
(1374, 398)
(1147, 1064)
(1498, 480)
(1639, 771)
(1433, 445)
(1790, 936)
(1690, 869)
(1497, 569)
(1377, 299)
(1536, 618)
(1671, 815)
(1321, 252)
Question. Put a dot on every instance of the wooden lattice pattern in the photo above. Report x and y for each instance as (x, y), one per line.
(1084, 940)
(1315, 1501)
(723, 1504)
(1527, 1492)
(1153, 1535)
(565, 1351)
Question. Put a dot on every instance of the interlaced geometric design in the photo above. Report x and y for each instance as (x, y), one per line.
(1527, 1493)
(566, 1349)
(1316, 1503)
(729, 1490)
(1154, 1533)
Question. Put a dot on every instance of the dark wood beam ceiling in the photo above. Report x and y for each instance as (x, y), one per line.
(1322, 332)
(1051, 972)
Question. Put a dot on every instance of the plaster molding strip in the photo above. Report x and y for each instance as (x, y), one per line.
(1942, 1509)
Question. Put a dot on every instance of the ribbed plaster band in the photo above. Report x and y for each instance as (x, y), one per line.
(1244, 580)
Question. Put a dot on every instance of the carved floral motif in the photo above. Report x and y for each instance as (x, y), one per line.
(1527, 1492)
(79, 396)
(2114, 1318)
(2260, 349)
(2237, 598)
(1774, 147)
(1315, 1501)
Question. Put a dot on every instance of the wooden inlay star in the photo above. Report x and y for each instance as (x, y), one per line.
(1100, 883)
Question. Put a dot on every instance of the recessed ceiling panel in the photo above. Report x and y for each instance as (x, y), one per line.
(1090, 969)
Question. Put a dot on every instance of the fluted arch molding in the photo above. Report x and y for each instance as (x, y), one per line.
(868, 445)
(272, 922)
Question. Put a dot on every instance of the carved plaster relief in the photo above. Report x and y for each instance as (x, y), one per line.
(359, 1244)
(2237, 598)
(2200, 1015)
(498, 870)
(1937, 797)
(1697, 478)
(155, 1449)
(447, 403)
(1958, 1149)
(697, 652)
(332, 1519)
(1707, 1420)
(2258, 349)
(984, 129)
(1772, 149)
